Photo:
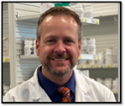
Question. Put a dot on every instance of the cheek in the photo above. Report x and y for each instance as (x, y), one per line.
(74, 53)
(45, 51)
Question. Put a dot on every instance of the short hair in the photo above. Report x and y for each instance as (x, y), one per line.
(55, 11)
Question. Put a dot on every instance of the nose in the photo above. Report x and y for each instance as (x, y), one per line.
(60, 48)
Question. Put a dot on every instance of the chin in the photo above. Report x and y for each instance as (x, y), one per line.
(60, 72)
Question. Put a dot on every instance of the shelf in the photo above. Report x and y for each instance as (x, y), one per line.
(97, 66)
(29, 57)
(6, 59)
(89, 57)
(90, 20)
(29, 18)
(34, 18)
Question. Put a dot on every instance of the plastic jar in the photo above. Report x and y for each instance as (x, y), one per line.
(110, 56)
(90, 40)
(28, 48)
(91, 47)
(88, 11)
(83, 48)
(78, 9)
(45, 6)
(101, 59)
(28, 42)
(108, 59)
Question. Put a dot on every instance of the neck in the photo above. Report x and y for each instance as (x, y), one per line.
(57, 80)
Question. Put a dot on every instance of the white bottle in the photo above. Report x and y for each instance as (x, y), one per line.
(45, 6)
(110, 56)
(91, 47)
(84, 45)
(28, 48)
(88, 11)
(77, 8)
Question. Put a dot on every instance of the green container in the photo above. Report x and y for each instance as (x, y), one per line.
(62, 4)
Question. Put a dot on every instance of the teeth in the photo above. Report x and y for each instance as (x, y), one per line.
(59, 59)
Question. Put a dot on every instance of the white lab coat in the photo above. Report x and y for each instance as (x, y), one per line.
(87, 90)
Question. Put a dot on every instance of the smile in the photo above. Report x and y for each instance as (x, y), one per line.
(59, 59)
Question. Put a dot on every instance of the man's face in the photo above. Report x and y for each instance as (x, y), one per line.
(58, 48)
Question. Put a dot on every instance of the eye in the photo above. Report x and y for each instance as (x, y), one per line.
(69, 41)
(50, 40)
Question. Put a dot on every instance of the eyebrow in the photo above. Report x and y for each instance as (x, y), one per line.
(48, 37)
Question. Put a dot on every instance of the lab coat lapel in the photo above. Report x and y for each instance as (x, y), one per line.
(37, 93)
(82, 92)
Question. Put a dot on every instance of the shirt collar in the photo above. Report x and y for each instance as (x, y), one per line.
(51, 87)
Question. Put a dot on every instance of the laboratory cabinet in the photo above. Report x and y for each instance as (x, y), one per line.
(24, 16)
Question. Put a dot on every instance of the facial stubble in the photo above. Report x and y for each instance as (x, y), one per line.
(55, 72)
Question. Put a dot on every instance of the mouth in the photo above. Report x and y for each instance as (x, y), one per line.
(59, 59)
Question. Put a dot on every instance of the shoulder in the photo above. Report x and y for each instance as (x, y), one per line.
(95, 89)
(18, 93)
(91, 82)
(25, 91)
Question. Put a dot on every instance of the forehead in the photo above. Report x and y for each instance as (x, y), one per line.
(59, 25)
(57, 19)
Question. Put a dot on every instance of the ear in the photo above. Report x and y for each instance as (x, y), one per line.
(37, 47)
(79, 47)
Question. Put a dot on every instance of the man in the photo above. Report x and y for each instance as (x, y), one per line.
(58, 46)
